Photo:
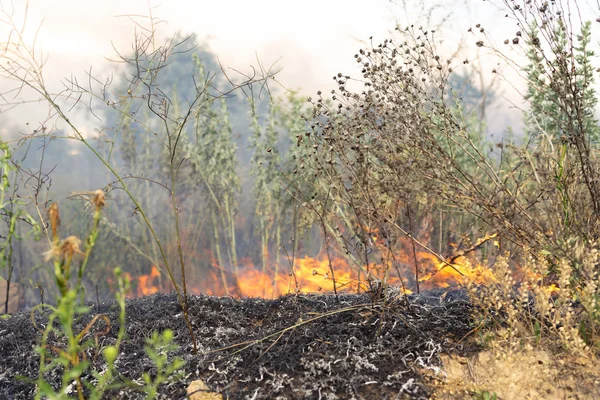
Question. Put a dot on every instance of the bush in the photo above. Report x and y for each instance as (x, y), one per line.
(402, 149)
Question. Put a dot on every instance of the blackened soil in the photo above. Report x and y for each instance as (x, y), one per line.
(295, 347)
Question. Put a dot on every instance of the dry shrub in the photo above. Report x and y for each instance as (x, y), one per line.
(393, 151)
(526, 310)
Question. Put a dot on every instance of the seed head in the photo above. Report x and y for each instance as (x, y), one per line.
(66, 249)
(70, 246)
(99, 199)
(54, 216)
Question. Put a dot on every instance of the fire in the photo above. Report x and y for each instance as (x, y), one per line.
(310, 275)
(317, 275)
(323, 274)
(314, 275)
(456, 273)
(534, 278)
(144, 285)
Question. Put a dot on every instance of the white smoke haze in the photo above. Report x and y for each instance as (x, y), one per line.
(309, 40)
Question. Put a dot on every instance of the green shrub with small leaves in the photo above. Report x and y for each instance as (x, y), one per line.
(13, 211)
(157, 348)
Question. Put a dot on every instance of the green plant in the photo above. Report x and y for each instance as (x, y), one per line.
(157, 348)
(485, 395)
(266, 164)
(70, 354)
(12, 211)
(212, 157)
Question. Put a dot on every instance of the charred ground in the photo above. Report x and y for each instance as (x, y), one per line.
(372, 350)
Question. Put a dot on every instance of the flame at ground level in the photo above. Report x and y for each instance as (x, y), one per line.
(324, 274)
(309, 275)
(314, 275)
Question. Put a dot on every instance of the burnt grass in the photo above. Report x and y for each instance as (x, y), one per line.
(383, 351)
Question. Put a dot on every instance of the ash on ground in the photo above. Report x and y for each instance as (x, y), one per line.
(295, 347)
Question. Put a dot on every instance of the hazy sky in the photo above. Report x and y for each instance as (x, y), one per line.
(314, 39)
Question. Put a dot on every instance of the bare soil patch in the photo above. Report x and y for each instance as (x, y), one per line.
(528, 374)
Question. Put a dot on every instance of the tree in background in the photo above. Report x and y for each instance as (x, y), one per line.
(213, 159)
(266, 162)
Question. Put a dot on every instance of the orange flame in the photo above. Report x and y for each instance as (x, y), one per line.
(457, 273)
(144, 285)
(309, 275)
(320, 274)
(316, 275)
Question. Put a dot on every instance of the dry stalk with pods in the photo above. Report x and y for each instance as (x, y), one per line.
(25, 67)
(286, 185)
(325, 164)
(402, 142)
(310, 208)
(322, 210)
(395, 144)
(561, 161)
(561, 124)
